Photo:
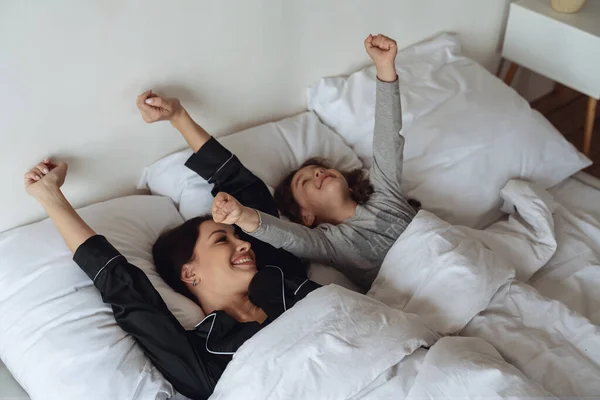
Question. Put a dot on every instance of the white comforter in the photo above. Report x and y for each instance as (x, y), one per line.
(437, 281)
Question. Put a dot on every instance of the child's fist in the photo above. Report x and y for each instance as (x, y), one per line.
(381, 49)
(226, 209)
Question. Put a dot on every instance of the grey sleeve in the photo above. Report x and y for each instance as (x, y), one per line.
(388, 143)
(311, 244)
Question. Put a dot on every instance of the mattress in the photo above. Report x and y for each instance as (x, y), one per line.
(572, 276)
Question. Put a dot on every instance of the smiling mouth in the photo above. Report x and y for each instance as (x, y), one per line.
(323, 180)
(244, 261)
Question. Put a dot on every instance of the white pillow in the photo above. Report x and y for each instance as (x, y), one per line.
(347, 104)
(57, 337)
(270, 151)
(467, 133)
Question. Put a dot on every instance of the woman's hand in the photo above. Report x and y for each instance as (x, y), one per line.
(155, 108)
(43, 182)
(45, 177)
(382, 51)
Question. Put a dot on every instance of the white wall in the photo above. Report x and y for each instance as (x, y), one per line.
(70, 71)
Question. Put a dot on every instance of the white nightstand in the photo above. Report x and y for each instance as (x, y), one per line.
(562, 47)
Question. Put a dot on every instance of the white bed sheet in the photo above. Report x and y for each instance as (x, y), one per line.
(572, 276)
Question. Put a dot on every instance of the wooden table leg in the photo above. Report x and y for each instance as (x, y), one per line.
(510, 75)
(589, 125)
(500, 67)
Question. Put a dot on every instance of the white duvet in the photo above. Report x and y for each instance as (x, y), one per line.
(400, 341)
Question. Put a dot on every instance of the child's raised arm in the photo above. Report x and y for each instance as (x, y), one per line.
(304, 242)
(388, 143)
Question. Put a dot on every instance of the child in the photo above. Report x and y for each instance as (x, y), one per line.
(341, 219)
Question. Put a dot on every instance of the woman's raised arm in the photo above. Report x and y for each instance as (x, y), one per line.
(43, 182)
(155, 108)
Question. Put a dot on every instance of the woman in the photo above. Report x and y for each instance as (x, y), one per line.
(241, 283)
(341, 219)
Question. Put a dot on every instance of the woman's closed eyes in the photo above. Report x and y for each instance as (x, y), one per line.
(221, 239)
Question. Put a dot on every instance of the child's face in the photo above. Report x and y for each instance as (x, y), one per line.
(317, 190)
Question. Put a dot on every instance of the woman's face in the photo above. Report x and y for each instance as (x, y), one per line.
(222, 263)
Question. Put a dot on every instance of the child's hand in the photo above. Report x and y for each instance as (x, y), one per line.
(226, 209)
(382, 51)
(45, 177)
(155, 108)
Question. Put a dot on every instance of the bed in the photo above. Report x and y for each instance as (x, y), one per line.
(572, 276)
(502, 138)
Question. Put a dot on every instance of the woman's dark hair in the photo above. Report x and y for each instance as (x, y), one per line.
(360, 189)
(173, 249)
